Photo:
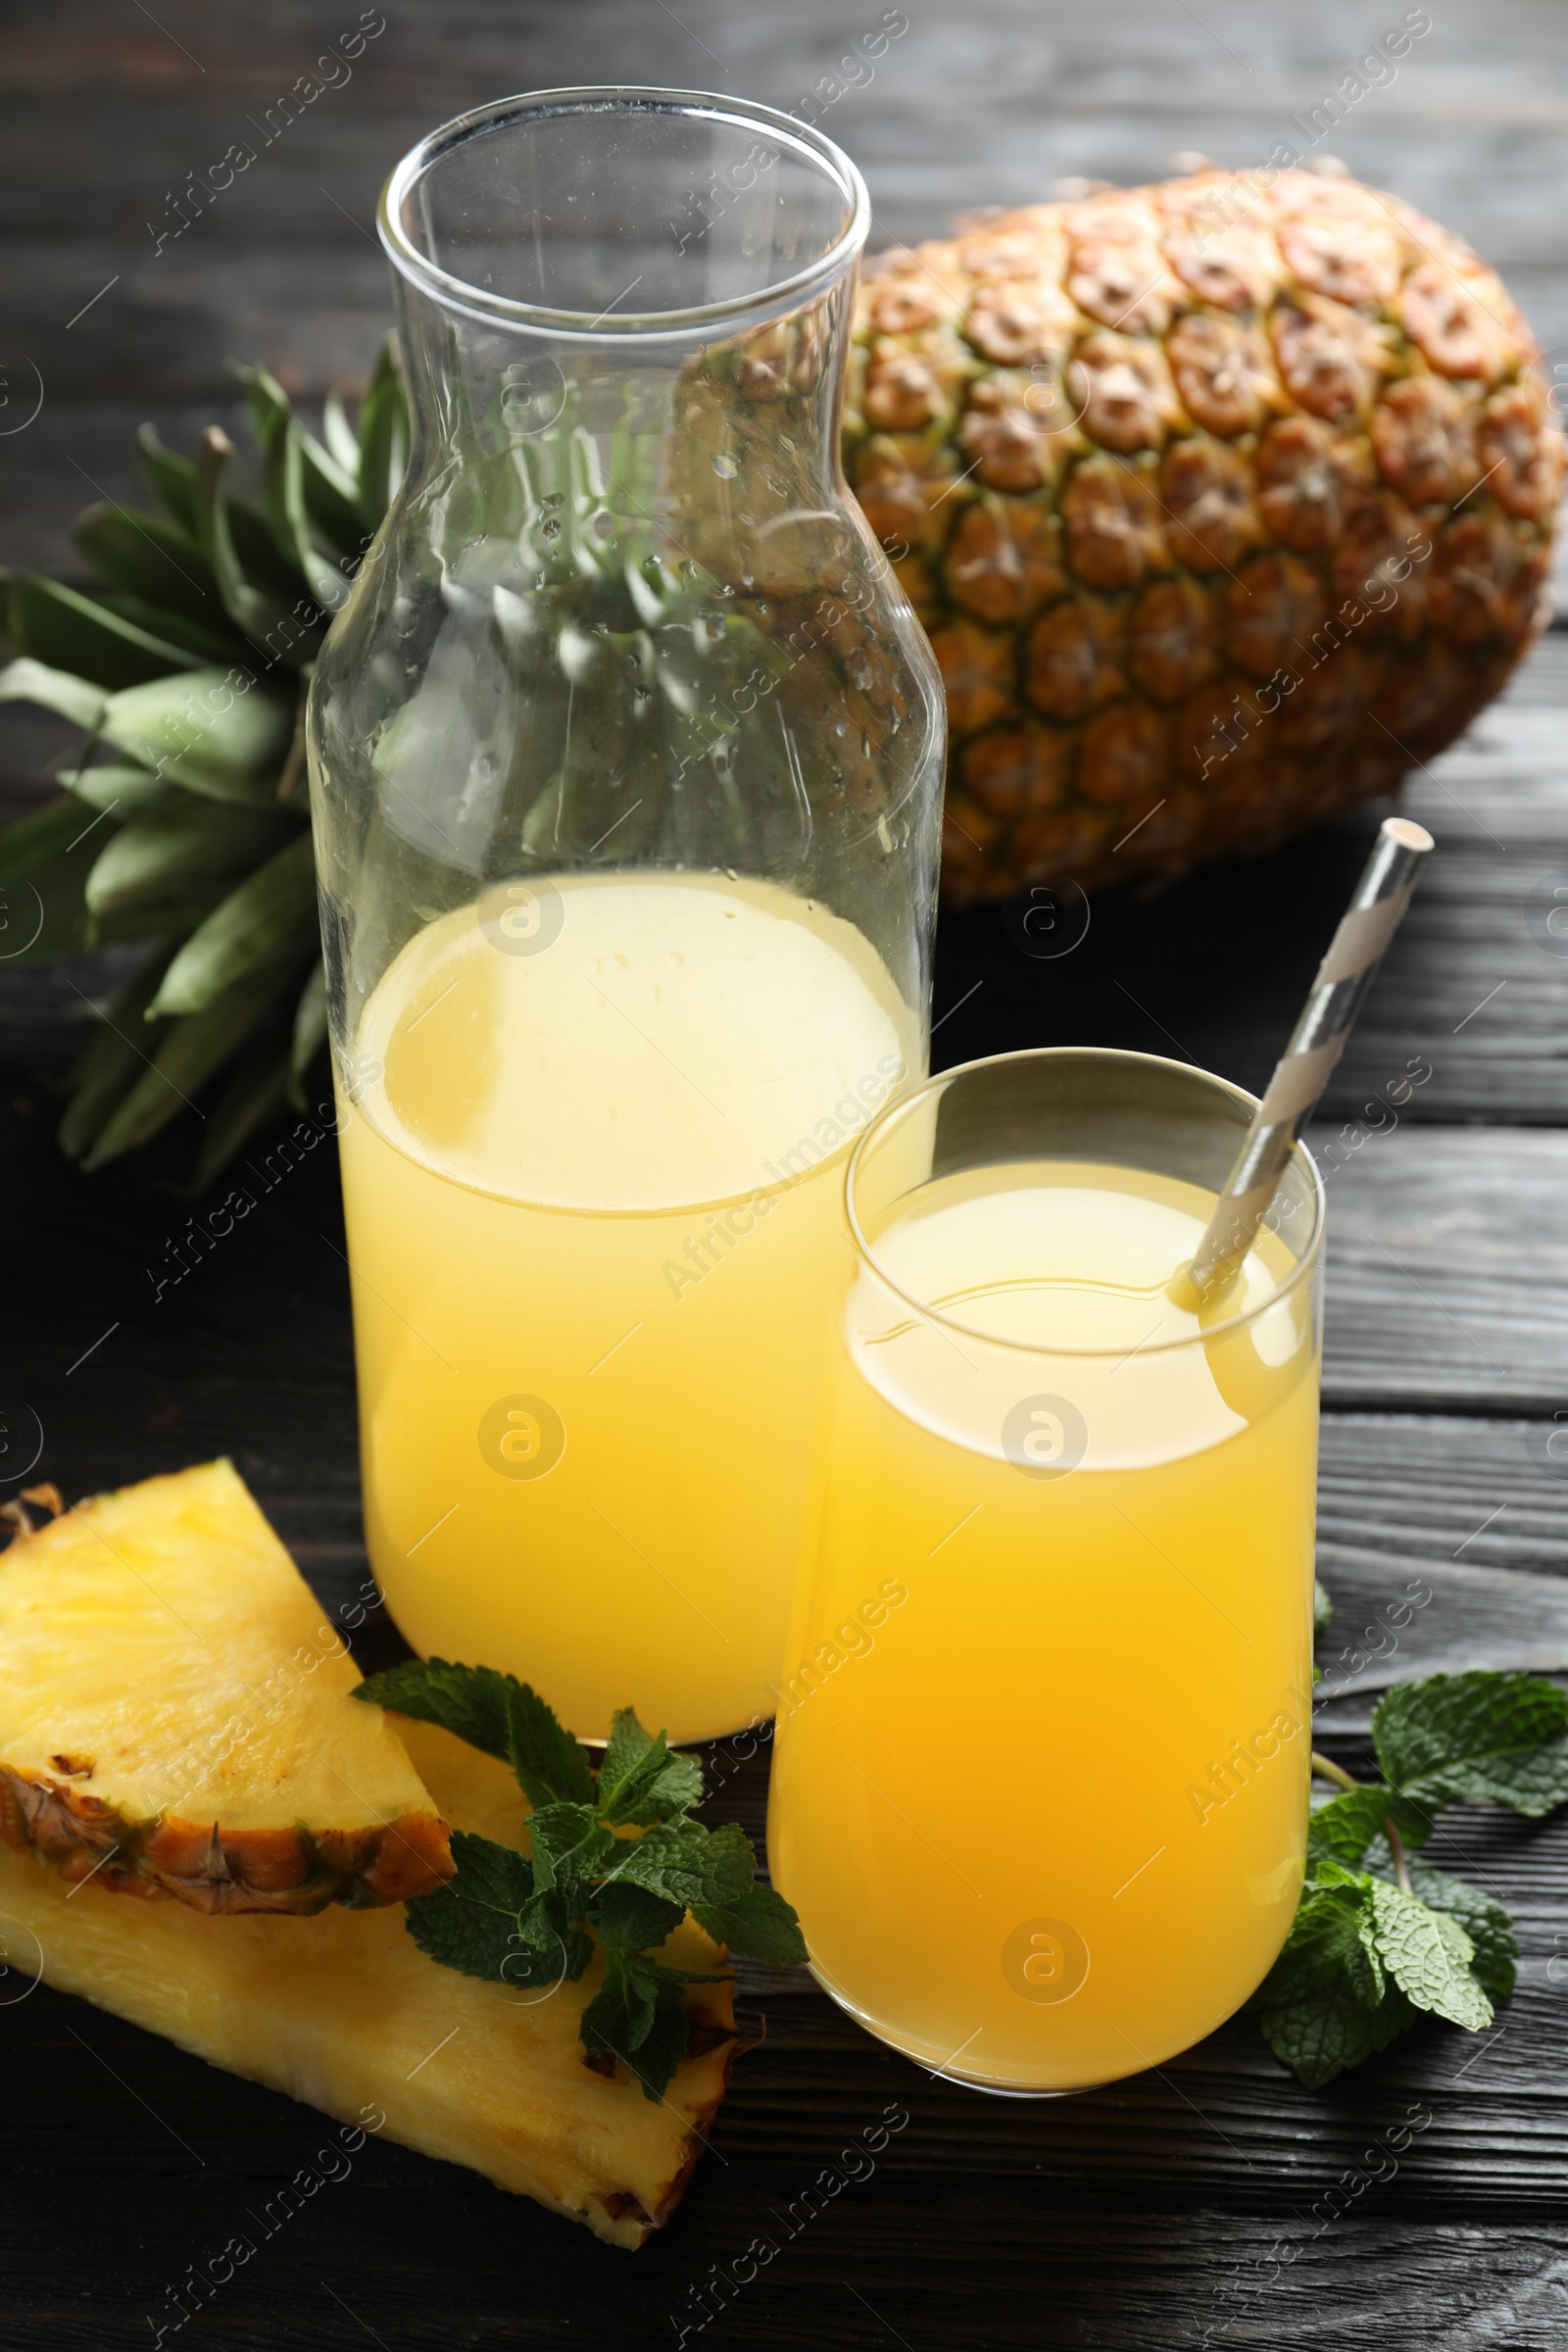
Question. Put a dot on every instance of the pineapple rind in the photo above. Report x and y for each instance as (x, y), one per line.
(345, 2012)
(175, 1718)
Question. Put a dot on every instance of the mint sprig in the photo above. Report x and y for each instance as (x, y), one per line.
(614, 1863)
(1381, 1939)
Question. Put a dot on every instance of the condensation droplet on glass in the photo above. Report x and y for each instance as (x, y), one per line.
(551, 528)
(643, 693)
(725, 468)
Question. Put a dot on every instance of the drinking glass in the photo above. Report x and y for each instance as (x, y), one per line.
(1040, 1787)
(626, 759)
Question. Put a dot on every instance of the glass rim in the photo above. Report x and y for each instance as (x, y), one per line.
(479, 302)
(906, 1101)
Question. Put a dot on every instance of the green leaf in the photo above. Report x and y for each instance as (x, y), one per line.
(54, 625)
(1342, 1830)
(758, 1923)
(467, 1936)
(271, 915)
(341, 440)
(124, 790)
(183, 1059)
(171, 477)
(1428, 1954)
(471, 1923)
(638, 2016)
(690, 1865)
(287, 518)
(469, 1701)
(111, 1060)
(635, 1780)
(1325, 1934)
(180, 840)
(550, 1764)
(1321, 2034)
(72, 698)
(255, 1094)
(327, 490)
(569, 1849)
(383, 439)
(309, 1032)
(152, 559)
(1486, 1923)
(42, 835)
(1472, 1735)
(265, 613)
(634, 1919)
(1322, 1611)
(198, 730)
(218, 643)
(496, 1876)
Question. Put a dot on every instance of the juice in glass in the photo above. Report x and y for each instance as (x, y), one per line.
(1040, 1788)
(594, 1195)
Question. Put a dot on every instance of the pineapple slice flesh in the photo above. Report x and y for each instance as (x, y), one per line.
(346, 2012)
(175, 1719)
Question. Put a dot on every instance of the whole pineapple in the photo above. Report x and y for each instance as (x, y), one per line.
(1223, 506)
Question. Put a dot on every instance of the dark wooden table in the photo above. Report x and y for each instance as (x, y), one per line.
(1212, 2201)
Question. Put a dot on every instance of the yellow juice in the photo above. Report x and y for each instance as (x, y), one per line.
(593, 1197)
(1040, 1788)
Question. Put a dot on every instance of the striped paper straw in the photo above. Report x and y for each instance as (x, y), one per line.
(1328, 1016)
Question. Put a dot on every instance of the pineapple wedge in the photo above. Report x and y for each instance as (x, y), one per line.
(345, 2011)
(175, 1719)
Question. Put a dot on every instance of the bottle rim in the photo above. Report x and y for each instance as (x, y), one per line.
(903, 1105)
(482, 303)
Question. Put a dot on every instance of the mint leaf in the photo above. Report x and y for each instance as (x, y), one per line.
(471, 1923)
(1364, 1972)
(637, 2016)
(550, 1764)
(1324, 1937)
(1457, 1736)
(678, 1788)
(658, 2059)
(1428, 1954)
(1484, 1921)
(631, 1767)
(758, 1923)
(1534, 1781)
(470, 1700)
(690, 1865)
(639, 1779)
(496, 1876)
(634, 1919)
(569, 1850)
(1342, 1830)
(1321, 2034)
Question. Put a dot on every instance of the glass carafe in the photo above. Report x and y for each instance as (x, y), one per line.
(626, 759)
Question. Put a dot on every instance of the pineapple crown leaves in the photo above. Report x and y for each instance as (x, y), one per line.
(615, 1862)
(1380, 1938)
(183, 822)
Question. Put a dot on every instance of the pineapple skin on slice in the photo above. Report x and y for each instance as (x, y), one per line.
(346, 2012)
(175, 1719)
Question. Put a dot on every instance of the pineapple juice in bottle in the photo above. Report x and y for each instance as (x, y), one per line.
(626, 755)
(594, 1200)
(1039, 1791)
